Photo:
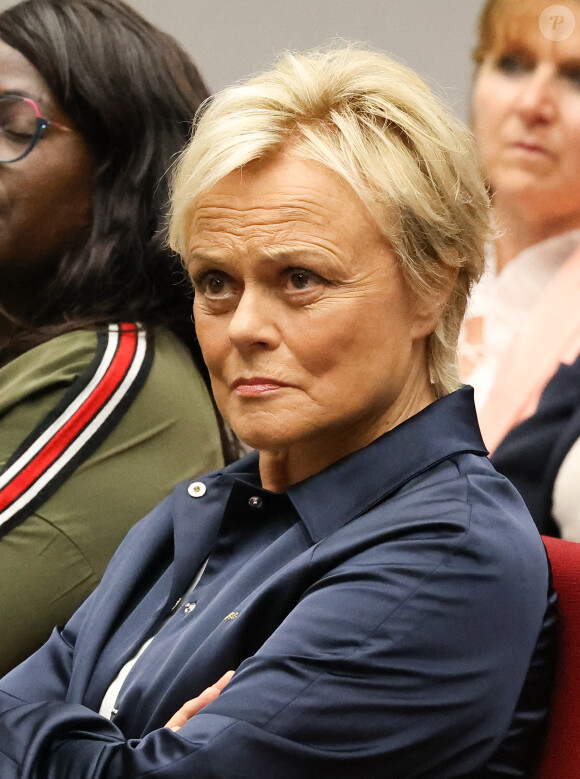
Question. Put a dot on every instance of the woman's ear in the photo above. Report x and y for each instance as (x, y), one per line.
(430, 305)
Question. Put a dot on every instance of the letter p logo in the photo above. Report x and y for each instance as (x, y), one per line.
(557, 22)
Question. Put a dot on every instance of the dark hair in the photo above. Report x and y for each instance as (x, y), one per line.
(131, 91)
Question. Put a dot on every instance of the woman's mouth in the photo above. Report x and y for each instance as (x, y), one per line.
(532, 148)
(256, 386)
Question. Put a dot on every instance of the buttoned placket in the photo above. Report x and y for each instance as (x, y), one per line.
(110, 704)
(184, 606)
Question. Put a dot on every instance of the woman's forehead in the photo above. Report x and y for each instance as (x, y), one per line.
(19, 76)
(278, 188)
(524, 22)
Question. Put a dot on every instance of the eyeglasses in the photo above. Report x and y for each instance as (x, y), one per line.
(21, 126)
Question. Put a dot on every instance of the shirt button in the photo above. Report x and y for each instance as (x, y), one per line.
(255, 502)
(197, 489)
(188, 608)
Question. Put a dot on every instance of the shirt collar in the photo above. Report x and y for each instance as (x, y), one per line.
(349, 487)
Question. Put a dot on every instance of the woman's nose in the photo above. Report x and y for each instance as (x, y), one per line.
(537, 98)
(253, 323)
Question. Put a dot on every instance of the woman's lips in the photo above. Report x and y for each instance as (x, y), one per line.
(532, 148)
(257, 386)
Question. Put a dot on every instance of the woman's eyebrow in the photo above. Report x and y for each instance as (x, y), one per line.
(18, 93)
(42, 102)
(283, 253)
(278, 253)
(512, 44)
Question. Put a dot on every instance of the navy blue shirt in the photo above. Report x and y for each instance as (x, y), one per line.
(532, 453)
(387, 618)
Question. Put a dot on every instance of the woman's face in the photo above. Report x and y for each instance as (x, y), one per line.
(526, 112)
(310, 333)
(45, 198)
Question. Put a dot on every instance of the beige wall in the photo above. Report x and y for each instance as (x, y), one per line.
(229, 39)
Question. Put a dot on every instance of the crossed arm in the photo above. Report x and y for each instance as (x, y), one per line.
(311, 702)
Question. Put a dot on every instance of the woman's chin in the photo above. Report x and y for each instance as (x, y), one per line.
(265, 430)
(262, 440)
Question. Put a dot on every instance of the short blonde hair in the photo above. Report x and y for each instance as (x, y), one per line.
(376, 124)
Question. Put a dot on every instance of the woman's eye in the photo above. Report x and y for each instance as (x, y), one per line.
(299, 278)
(14, 135)
(512, 64)
(213, 284)
(572, 74)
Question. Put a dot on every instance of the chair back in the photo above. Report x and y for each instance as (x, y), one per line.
(561, 751)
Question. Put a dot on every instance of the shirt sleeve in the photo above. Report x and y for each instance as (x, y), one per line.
(55, 557)
(404, 662)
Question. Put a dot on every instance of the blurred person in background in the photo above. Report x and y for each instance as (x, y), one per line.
(103, 402)
(522, 338)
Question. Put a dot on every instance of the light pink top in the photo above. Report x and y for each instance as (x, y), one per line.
(543, 330)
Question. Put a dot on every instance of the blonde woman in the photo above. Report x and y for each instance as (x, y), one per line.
(379, 590)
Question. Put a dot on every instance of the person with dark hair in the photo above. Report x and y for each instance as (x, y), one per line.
(104, 403)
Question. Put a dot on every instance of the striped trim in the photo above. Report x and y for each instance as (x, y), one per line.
(89, 411)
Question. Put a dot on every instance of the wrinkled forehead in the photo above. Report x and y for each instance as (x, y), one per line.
(534, 23)
(280, 198)
(289, 170)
